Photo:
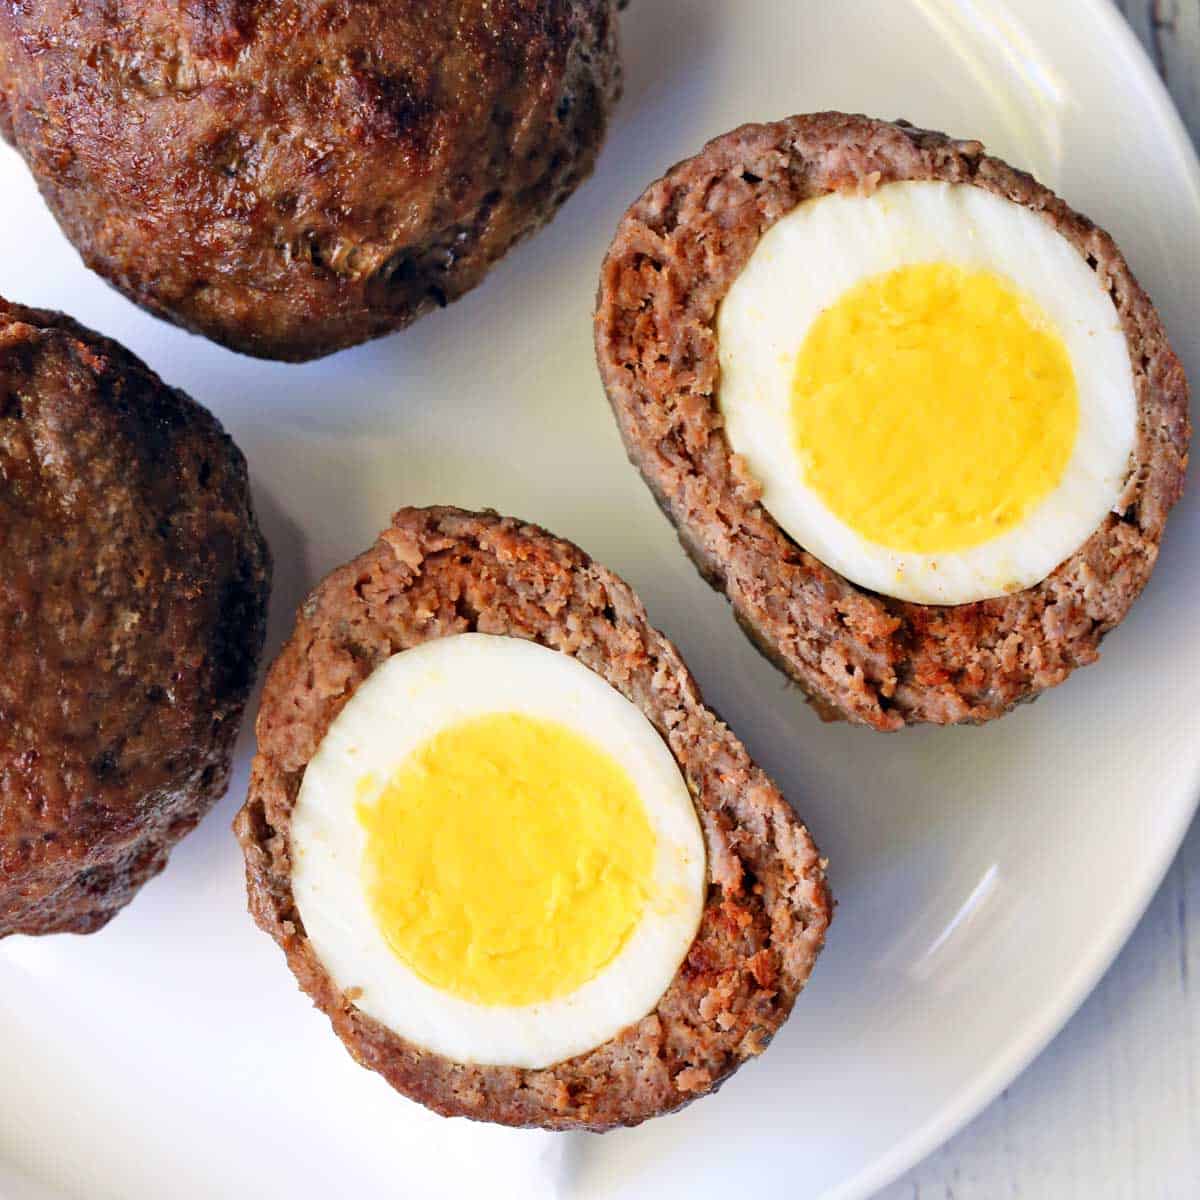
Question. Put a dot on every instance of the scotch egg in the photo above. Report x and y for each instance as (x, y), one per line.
(527, 874)
(907, 409)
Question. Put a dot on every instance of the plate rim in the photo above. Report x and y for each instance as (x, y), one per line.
(1011, 1060)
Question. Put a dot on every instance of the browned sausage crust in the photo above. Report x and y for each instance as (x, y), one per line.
(438, 572)
(289, 179)
(859, 656)
(133, 593)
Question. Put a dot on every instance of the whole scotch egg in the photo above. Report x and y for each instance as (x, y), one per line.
(527, 874)
(134, 582)
(290, 179)
(910, 412)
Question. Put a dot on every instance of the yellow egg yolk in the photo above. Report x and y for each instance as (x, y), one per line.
(507, 860)
(933, 408)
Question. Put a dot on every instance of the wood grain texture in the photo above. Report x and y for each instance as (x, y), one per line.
(1170, 31)
(1111, 1110)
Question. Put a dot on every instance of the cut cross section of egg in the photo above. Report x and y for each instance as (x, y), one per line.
(495, 853)
(931, 386)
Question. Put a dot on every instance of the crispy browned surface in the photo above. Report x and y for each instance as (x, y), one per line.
(859, 656)
(289, 178)
(440, 571)
(133, 592)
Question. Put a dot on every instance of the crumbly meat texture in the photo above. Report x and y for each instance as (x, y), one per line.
(290, 179)
(133, 592)
(438, 572)
(859, 656)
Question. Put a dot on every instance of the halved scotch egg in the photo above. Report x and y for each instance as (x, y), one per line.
(909, 411)
(528, 875)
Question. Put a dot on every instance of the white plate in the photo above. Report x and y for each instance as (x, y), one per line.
(985, 877)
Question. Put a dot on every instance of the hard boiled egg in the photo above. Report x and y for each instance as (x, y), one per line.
(931, 386)
(495, 854)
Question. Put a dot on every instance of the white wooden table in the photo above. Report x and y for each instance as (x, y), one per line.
(1111, 1110)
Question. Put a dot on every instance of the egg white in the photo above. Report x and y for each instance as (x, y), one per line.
(826, 246)
(404, 702)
